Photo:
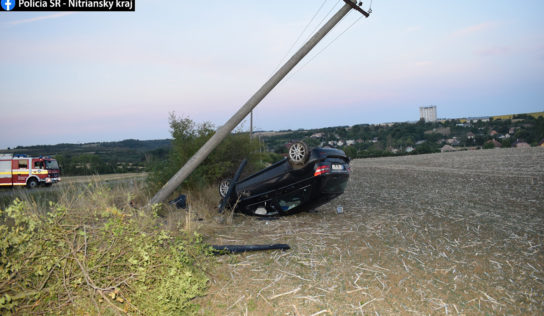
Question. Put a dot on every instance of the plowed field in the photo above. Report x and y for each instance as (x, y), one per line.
(451, 233)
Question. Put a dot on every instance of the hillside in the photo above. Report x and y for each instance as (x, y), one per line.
(129, 155)
(358, 141)
(365, 140)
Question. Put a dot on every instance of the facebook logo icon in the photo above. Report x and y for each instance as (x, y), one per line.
(8, 5)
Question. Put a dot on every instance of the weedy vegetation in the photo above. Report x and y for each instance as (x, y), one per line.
(453, 233)
(97, 250)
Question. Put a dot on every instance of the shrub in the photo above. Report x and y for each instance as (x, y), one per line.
(89, 255)
(188, 137)
(489, 145)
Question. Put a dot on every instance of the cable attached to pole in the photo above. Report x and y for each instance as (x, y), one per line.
(322, 50)
(304, 30)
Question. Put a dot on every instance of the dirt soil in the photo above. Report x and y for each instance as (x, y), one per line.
(452, 233)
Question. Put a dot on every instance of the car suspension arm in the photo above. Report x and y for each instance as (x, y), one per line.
(232, 184)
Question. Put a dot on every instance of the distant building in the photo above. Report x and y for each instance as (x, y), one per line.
(496, 144)
(453, 141)
(428, 113)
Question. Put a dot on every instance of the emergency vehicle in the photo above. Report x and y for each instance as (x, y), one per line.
(18, 170)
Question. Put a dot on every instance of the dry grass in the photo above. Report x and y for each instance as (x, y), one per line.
(101, 178)
(91, 248)
(453, 233)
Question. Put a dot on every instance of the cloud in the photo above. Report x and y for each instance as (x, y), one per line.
(474, 29)
(38, 18)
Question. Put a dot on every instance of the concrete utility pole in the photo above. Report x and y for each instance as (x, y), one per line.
(224, 130)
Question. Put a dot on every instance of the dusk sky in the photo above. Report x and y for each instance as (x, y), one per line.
(89, 77)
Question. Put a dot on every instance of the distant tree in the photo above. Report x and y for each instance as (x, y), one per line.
(426, 148)
(350, 151)
(507, 142)
(489, 145)
(523, 134)
(479, 140)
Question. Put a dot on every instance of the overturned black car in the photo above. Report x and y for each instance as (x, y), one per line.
(302, 181)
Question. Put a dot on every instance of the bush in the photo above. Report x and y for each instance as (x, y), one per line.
(90, 255)
(489, 145)
(188, 137)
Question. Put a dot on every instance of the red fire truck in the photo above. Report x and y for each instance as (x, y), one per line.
(17, 170)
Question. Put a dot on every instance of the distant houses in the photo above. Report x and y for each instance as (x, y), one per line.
(494, 143)
(374, 140)
(453, 141)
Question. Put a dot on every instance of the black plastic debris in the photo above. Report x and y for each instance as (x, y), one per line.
(228, 249)
(180, 201)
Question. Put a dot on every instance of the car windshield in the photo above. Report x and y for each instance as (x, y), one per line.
(51, 164)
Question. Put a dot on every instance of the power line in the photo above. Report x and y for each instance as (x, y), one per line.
(301, 33)
(323, 19)
(323, 49)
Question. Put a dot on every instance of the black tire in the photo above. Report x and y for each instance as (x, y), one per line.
(224, 187)
(298, 153)
(32, 183)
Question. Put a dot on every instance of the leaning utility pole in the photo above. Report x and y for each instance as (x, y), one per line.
(224, 130)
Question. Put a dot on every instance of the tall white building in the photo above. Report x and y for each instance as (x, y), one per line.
(428, 113)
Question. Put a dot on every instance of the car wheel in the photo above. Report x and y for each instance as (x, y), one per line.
(32, 183)
(298, 153)
(224, 187)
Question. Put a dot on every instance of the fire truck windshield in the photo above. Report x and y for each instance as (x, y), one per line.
(51, 164)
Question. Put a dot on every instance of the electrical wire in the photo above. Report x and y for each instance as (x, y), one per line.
(302, 33)
(323, 49)
(323, 19)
